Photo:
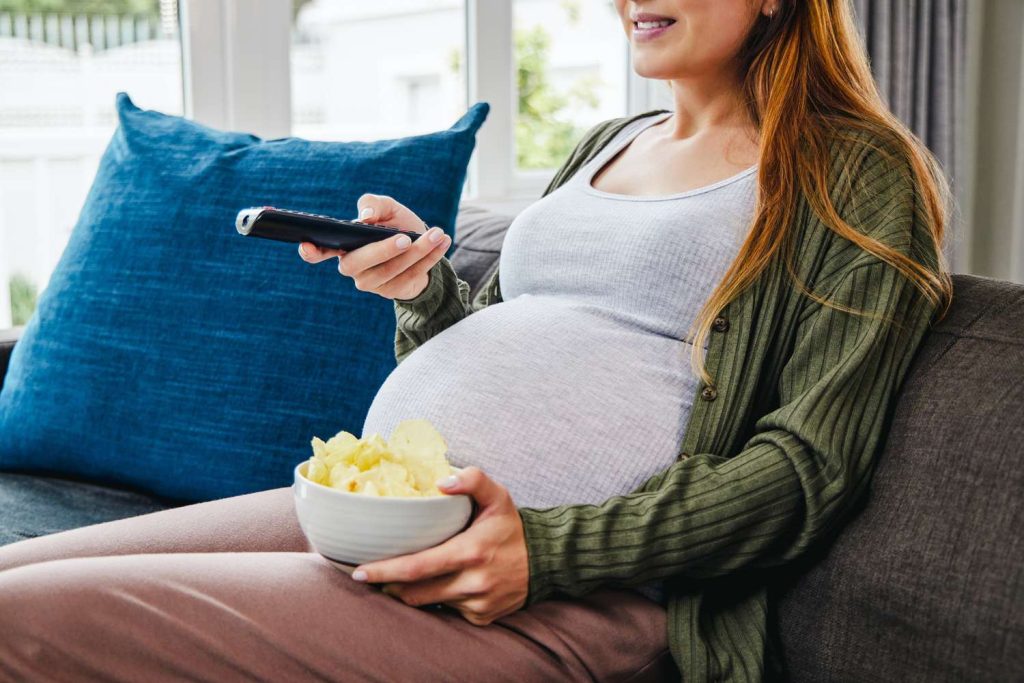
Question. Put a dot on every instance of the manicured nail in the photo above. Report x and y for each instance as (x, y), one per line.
(302, 250)
(448, 482)
(366, 213)
(437, 235)
(359, 575)
(403, 241)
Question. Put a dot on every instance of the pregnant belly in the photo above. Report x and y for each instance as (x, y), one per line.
(560, 402)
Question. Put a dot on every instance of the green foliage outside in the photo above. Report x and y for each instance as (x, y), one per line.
(81, 6)
(544, 137)
(296, 7)
(23, 299)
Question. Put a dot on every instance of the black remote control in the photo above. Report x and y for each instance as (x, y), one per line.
(323, 231)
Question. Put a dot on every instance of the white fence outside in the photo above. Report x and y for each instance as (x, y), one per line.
(56, 119)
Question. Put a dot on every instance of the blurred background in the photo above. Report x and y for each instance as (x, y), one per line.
(341, 70)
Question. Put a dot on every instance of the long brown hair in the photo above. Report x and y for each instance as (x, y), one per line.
(807, 79)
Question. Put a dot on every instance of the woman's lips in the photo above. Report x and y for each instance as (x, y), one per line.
(645, 34)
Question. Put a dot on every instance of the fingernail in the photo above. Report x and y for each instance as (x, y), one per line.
(359, 575)
(448, 482)
(367, 212)
(302, 250)
(403, 241)
(437, 235)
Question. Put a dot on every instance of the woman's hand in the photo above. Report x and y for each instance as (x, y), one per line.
(395, 268)
(482, 572)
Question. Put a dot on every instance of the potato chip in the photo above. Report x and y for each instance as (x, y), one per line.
(408, 464)
(316, 470)
(337, 449)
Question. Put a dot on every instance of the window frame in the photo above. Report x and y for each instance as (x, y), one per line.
(236, 62)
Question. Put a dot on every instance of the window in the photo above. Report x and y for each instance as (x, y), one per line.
(319, 69)
(60, 69)
(570, 60)
(368, 71)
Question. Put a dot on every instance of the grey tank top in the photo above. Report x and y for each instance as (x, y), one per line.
(577, 386)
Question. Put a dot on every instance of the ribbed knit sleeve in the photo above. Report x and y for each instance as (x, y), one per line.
(806, 463)
(443, 302)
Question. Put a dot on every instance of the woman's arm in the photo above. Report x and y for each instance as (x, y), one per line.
(795, 479)
(444, 302)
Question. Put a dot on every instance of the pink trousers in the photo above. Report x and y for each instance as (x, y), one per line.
(230, 591)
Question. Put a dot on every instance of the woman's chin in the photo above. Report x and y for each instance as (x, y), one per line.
(651, 68)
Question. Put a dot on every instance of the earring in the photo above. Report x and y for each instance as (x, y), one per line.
(771, 13)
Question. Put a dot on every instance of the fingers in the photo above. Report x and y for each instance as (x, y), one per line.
(371, 254)
(388, 211)
(466, 592)
(310, 253)
(376, 208)
(398, 271)
(357, 261)
(436, 590)
(453, 555)
(472, 481)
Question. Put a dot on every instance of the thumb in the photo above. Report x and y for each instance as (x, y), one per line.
(473, 482)
(385, 210)
(375, 208)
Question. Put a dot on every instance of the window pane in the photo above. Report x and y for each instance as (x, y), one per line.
(61, 64)
(571, 66)
(369, 71)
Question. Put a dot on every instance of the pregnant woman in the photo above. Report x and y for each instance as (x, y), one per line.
(675, 383)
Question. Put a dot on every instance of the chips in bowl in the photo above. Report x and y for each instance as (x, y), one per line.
(407, 465)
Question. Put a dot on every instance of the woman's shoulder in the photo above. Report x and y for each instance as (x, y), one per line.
(874, 158)
(877, 193)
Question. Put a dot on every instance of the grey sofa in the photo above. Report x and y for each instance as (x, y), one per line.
(925, 583)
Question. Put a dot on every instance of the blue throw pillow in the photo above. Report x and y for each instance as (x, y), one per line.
(172, 355)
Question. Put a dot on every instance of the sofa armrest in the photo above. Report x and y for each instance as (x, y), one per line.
(8, 338)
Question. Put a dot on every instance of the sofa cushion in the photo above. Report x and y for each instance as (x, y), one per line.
(170, 354)
(8, 338)
(36, 506)
(926, 583)
(481, 232)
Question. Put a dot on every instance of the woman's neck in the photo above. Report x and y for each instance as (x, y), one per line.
(704, 102)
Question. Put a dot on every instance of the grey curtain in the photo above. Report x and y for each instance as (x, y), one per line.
(918, 53)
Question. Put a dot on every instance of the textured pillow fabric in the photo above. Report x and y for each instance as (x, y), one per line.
(170, 354)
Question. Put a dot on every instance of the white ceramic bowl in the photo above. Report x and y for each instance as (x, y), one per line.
(353, 528)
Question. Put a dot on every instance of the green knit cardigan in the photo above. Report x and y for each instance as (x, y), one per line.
(777, 451)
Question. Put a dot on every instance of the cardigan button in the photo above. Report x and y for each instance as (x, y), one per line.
(682, 456)
(720, 324)
(709, 393)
